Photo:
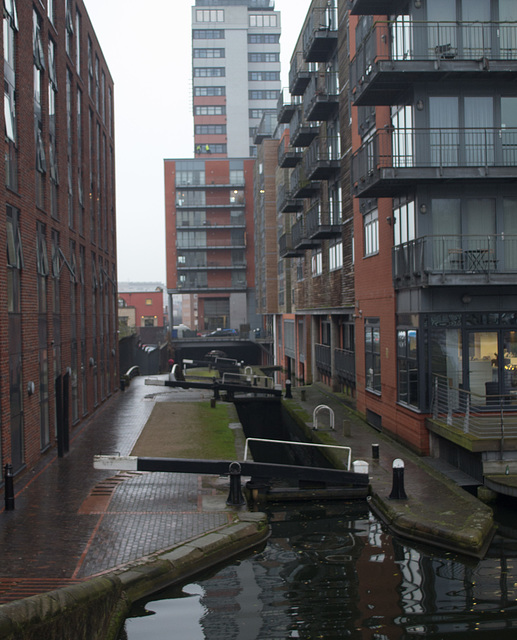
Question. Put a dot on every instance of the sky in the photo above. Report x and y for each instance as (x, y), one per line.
(147, 47)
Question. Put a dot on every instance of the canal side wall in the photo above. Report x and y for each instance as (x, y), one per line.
(96, 608)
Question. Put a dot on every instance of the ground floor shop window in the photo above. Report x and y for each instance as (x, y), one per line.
(372, 343)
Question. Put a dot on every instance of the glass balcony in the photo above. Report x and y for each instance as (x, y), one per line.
(320, 33)
(396, 159)
(456, 260)
(321, 98)
(395, 54)
(322, 159)
(266, 127)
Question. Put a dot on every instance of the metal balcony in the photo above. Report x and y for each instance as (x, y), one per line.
(302, 186)
(323, 222)
(286, 249)
(378, 7)
(300, 238)
(322, 160)
(266, 127)
(286, 106)
(286, 202)
(393, 56)
(392, 161)
(320, 33)
(321, 98)
(288, 157)
(302, 133)
(456, 260)
(299, 74)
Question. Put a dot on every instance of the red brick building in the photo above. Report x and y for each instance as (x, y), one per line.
(148, 307)
(58, 344)
(209, 238)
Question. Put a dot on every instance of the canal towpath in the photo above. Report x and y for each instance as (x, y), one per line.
(72, 522)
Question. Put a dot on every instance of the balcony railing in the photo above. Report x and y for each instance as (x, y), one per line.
(302, 133)
(323, 221)
(266, 127)
(289, 157)
(285, 247)
(344, 361)
(320, 33)
(322, 159)
(323, 358)
(434, 48)
(286, 202)
(434, 154)
(456, 259)
(321, 97)
(481, 416)
(301, 185)
(299, 236)
(299, 74)
(286, 106)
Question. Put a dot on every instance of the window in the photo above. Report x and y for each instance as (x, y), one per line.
(256, 113)
(263, 20)
(210, 147)
(209, 72)
(211, 129)
(263, 38)
(69, 31)
(263, 95)
(263, 57)
(209, 91)
(407, 366)
(10, 25)
(210, 15)
(209, 53)
(210, 110)
(78, 42)
(264, 75)
(316, 262)
(148, 301)
(336, 255)
(372, 343)
(14, 259)
(404, 223)
(371, 233)
(208, 34)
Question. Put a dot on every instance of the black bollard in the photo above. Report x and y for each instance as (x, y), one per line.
(397, 491)
(375, 451)
(9, 488)
(235, 497)
(288, 393)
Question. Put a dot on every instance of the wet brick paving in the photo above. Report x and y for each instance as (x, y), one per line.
(72, 521)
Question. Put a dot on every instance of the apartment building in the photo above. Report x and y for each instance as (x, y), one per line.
(313, 323)
(209, 238)
(235, 73)
(433, 174)
(58, 340)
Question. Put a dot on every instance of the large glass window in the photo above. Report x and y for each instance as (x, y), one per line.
(263, 57)
(208, 53)
(372, 344)
(407, 365)
(209, 91)
(210, 15)
(404, 223)
(208, 34)
(209, 72)
(263, 20)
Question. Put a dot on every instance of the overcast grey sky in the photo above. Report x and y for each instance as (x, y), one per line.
(148, 50)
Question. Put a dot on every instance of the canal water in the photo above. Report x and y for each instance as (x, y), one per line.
(331, 571)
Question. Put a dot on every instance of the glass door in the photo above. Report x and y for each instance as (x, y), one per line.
(483, 367)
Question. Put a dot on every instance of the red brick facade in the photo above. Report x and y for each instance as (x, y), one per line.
(58, 293)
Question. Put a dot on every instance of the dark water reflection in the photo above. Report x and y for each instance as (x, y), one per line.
(332, 571)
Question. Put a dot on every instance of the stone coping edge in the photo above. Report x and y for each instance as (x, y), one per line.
(472, 541)
(96, 608)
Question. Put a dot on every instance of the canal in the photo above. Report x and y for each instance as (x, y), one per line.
(332, 571)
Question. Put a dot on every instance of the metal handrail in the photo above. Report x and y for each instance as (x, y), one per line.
(299, 444)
